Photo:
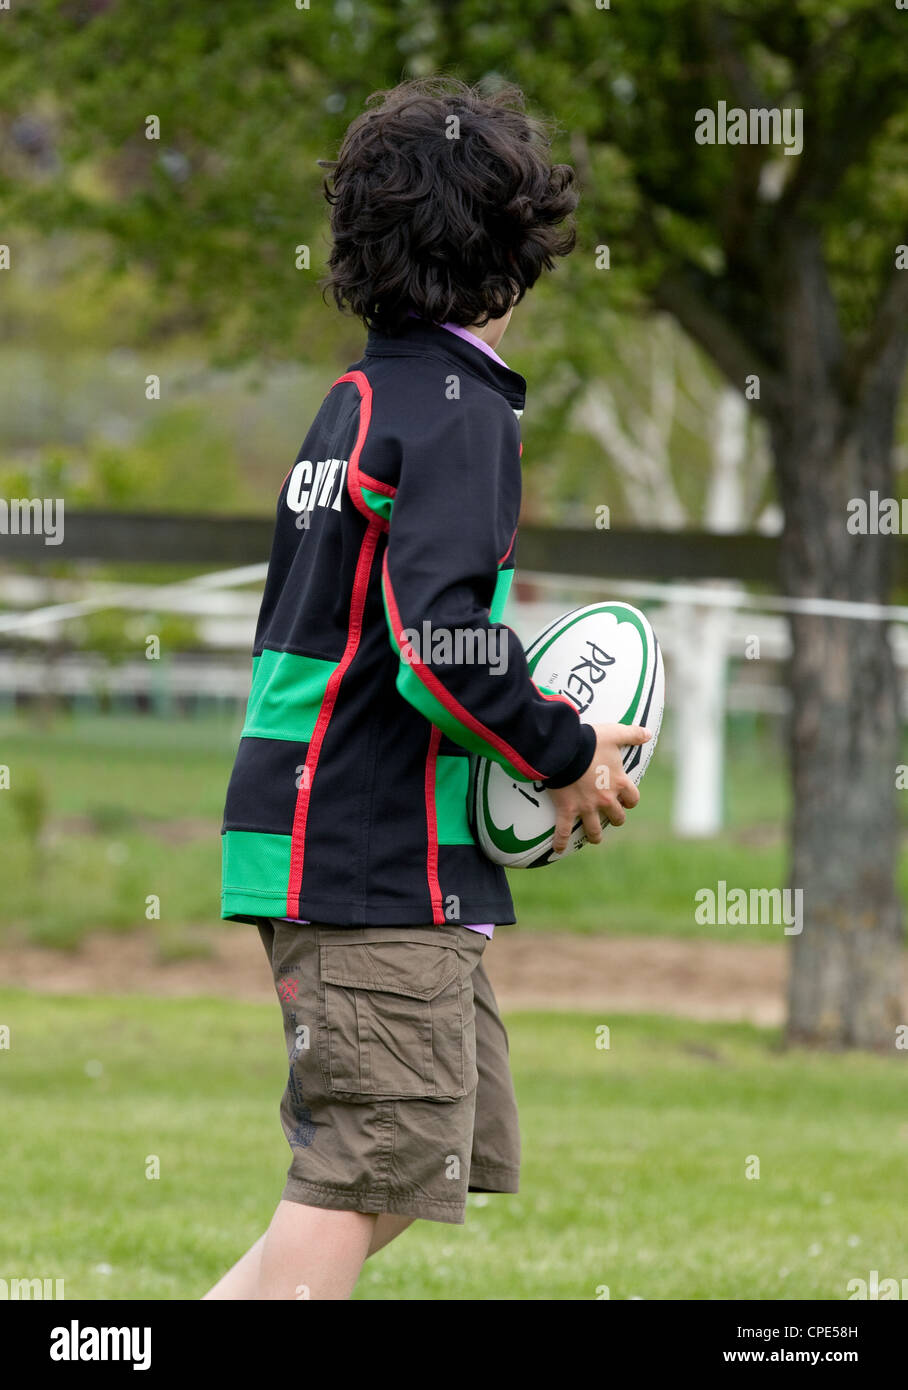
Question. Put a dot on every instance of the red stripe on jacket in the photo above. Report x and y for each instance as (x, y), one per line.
(438, 916)
(356, 479)
(445, 698)
(510, 547)
(354, 632)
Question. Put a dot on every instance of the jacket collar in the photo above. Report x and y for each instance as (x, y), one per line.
(420, 338)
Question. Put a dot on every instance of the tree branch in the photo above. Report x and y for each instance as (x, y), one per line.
(857, 115)
(683, 294)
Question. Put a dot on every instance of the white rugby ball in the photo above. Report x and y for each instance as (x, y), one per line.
(605, 660)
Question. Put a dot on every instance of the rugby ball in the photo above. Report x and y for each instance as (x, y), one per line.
(605, 660)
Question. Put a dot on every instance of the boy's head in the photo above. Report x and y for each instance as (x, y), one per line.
(444, 202)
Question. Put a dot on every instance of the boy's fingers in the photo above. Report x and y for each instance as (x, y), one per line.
(613, 811)
(563, 823)
(593, 826)
(628, 794)
(633, 733)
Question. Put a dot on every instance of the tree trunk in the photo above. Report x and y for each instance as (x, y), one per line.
(845, 984)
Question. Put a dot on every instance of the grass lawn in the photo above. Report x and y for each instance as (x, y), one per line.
(103, 812)
(126, 807)
(633, 1177)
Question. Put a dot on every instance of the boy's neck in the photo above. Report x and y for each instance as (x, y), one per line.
(492, 332)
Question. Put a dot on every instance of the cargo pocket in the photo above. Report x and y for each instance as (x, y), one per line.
(395, 1020)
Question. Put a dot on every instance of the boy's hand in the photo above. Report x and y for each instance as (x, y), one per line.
(603, 791)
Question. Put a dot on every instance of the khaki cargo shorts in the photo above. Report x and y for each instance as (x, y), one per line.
(399, 1096)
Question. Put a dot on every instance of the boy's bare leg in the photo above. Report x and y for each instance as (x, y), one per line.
(242, 1281)
(310, 1252)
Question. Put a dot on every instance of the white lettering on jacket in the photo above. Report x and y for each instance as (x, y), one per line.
(314, 485)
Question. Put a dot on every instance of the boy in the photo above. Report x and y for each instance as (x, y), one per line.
(345, 838)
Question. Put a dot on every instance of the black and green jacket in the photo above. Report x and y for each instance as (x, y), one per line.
(381, 662)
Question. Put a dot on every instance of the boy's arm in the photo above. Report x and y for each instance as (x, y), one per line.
(458, 495)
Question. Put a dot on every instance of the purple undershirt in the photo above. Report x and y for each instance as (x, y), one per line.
(486, 928)
(460, 332)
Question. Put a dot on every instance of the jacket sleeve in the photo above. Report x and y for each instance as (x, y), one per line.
(456, 504)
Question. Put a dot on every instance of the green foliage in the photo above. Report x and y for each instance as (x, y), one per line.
(201, 226)
(249, 97)
(29, 803)
(247, 101)
(106, 632)
(213, 444)
(120, 634)
(129, 809)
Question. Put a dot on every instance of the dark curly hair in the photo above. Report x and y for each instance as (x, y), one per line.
(455, 224)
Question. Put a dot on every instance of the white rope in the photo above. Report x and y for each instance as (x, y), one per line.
(706, 596)
(729, 598)
(57, 612)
